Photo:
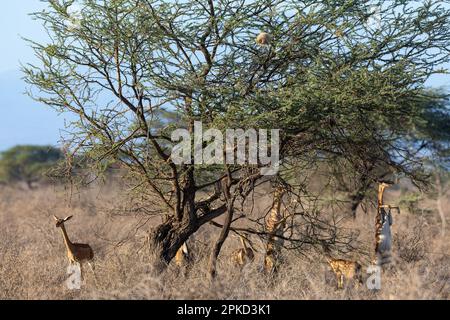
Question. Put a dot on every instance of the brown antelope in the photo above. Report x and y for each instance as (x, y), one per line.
(182, 257)
(383, 223)
(76, 252)
(242, 256)
(345, 269)
(275, 227)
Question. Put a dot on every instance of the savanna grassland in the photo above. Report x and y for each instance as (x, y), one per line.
(348, 107)
(33, 264)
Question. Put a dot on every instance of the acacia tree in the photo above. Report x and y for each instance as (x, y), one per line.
(334, 84)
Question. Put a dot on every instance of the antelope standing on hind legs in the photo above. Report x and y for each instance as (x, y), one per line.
(383, 223)
(76, 252)
(346, 269)
(275, 225)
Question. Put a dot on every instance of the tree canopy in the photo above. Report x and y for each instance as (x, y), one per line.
(338, 87)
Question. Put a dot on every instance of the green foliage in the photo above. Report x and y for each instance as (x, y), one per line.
(337, 88)
(348, 89)
(27, 163)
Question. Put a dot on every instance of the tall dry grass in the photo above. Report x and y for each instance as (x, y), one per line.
(33, 264)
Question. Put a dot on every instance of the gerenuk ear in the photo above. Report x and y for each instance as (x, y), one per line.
(68, 218)
(56, 218)
(184, 248)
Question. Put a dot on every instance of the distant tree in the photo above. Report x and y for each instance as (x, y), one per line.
(27, 163)
(434, 132)
(432, 128)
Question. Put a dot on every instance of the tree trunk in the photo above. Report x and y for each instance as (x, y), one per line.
(355, 202)
(225, 185)
(165, 241)
(169, 236)
(219, 243)
(359, 195)
(29, 184)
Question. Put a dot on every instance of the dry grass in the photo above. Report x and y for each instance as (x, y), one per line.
(33, 263)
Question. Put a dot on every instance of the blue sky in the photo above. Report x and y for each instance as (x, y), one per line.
(14, 21)
(23, 121)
